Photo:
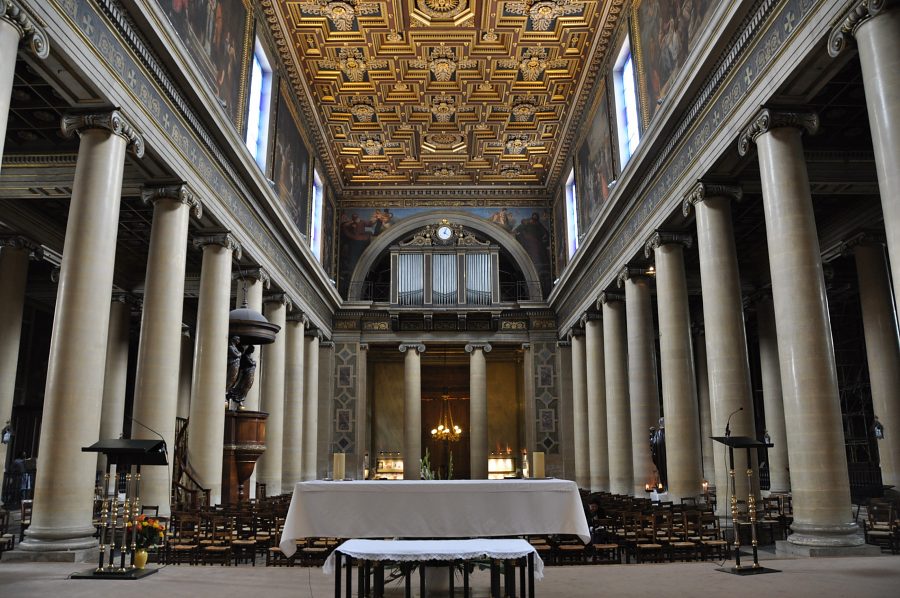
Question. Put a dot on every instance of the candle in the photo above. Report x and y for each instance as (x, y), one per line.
(338, 466)
(537, 462)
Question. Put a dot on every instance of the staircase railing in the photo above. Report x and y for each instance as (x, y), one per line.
(187, 492)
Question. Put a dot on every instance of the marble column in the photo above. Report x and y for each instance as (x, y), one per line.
(115, 379)
(643, 391)
(292, 434)
(15, 25)
(812, 409)
(875, 25)
(272, 398)
(598, 443)
(727, 362)
(478, 411)
(64, 485)
(412, 410)
(206, 428)
(310, 422)
(184, 373)
(682, 420)
(773, 402)
(703, 404)
(251, 282)
(14, 255)
(882, 352)
(579, 409)
(159, 351)
(618, 409)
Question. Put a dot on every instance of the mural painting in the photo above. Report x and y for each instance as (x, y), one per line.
(292, 164)
(560, 241)
(594, 163)
(213, 31)
(666, 31)
(328, 236)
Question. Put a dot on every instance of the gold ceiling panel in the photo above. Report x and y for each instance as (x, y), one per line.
(461, 92)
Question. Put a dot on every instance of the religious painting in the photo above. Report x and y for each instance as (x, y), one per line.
(666, 31)
(214, 32)
(328, 236)
(594, 163)
(291, 168)
(560, 237)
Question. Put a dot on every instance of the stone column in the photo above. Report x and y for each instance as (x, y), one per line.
(703, 404)
(723, 311)
(310, 403)
(184, 373)
(643, 391)
(64, 488)
(478, 411)
(812, 409)
(874, 24)
(115, 379)
(882, 352)
(412, 410)
(579, 409)
(250, 285)
(683, 460)
(773, 402)
(272, 378)
(598, 444)
(14, 255)
(618, 409)
(292, 435)
(159, 352)
(15, 25)
(206, 431)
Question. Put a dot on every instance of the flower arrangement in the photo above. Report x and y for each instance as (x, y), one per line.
(148, 532)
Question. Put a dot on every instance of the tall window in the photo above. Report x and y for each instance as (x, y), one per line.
(571, 215)
(315, 227)
(260, 100)
(626, 104)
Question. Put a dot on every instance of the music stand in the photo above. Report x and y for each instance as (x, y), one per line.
(744, 442)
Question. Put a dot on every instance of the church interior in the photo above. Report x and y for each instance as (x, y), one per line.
(641, 248)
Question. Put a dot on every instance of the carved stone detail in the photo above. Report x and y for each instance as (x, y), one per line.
(608, 297)
(36, 252)
(256, 273)
(404, 347)
(589, 317)
(298, 316)
(703, 190)
(486, 347)
(660, 238)
(222, 238)
(767, 119)
(282, 298)
(113, 121)
(181, 192)
(858, 14)
(629, 272)
(34, 35)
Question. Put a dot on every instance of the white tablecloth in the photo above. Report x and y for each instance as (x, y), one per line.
(436, 550)
(433, 509)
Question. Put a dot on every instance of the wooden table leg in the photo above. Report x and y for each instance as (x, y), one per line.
(452, 569)
(509, 578)
(523, 564)
(495, 579)
(465, 580)
(360, 579)
(349, 568)
(337, 574)
(405, 569)
(379, 580)
(421, 578)
(531, 575)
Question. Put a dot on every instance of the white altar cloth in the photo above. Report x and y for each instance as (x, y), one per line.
(433, 509)
(436, 550)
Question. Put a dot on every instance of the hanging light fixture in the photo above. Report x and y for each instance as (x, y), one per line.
(446, 429)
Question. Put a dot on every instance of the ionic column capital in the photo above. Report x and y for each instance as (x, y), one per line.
(589, 317)
(864, 238)
(363, 346)
(127, 298)
(312, 332)
(471, 347)
(629, 272)
(112, 121)
(574, 332)
(563, 344)
(298, 316)
(256, 274)
(704, 190)
(526, 346)
(35, 251)
(179, 192)
(660, 238)
(767, 119)
(222, 238)
(608, 297)
(282, 298)
(34, 35)
(417, 347)
(859, 13)
(326, 344)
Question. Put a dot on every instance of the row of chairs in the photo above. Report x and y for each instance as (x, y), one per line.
(882, 525)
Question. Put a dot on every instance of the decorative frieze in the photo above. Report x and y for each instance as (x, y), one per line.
(112, 121)
(181, 192)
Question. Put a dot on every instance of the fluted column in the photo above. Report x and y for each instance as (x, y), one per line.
(159, 352)
(251, 282)
(310, 403)
(15, 25)
(412, 410)
(683, 460)
(598, 443)
(292, 435)
(478, 411)
(703, 404)
(643, 391)
(618, 409)
(115, 379)
(579, 409)
(875, 25)
(206, 432)
(882, 352)
(64, 488)
(268, 468)
(812, 409)
(773, 402)
(726, 351)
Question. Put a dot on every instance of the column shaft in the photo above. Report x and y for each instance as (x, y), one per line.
(478, 413)
(598, 443)
(412, 413)
(310, 405)
(14, 276)
(773, 402)
(268, 468)
(292, 437)
(112, 409)
(185, 371)
(621, 478)
(703, 404)
(579, 408)
(9, 47)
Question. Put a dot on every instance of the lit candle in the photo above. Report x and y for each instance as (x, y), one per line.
(537, 461)
(338, 466)
(647, 487)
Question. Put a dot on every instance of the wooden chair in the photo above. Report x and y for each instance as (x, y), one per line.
(880, 527)
(606, 554)
(215, 547)
(184, 544)
(711, 542)
(7, 538)
(276, 558)
(25, 509)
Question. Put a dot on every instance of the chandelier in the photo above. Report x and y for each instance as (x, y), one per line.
(446, 429)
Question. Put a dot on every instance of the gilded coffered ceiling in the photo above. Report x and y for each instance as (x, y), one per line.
(418, 93)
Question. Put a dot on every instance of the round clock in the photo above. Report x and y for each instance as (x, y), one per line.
(444, 233)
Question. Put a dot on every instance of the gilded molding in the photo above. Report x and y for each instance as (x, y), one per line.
(608, 297)
(180, 192)
(222, 238)
(282, 298)
(35, 251)
(703, 190)
(112, 121)
(31, 32)
(660, 238)
(471, 347)
(767, 119)
(418, 347)
(859, 13)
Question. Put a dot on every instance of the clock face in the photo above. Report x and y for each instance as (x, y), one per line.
(444, 233)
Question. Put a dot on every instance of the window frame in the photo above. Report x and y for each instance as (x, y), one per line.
(256, 138)
(628, 125)
(572, 240)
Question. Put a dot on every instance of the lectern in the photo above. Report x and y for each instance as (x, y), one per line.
(128, 456)
(750, 444)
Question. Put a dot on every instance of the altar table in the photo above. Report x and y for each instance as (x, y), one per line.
(433, 509)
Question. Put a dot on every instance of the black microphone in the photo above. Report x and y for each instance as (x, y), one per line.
(728, 423)
(165, 448)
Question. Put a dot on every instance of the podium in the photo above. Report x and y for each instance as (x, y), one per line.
(128, 456)
(750, 444)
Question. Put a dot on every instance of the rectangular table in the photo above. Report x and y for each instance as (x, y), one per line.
(433, 509)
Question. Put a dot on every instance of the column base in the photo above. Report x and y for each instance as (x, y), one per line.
(85, 555)
(788, 548)
(66, 546)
